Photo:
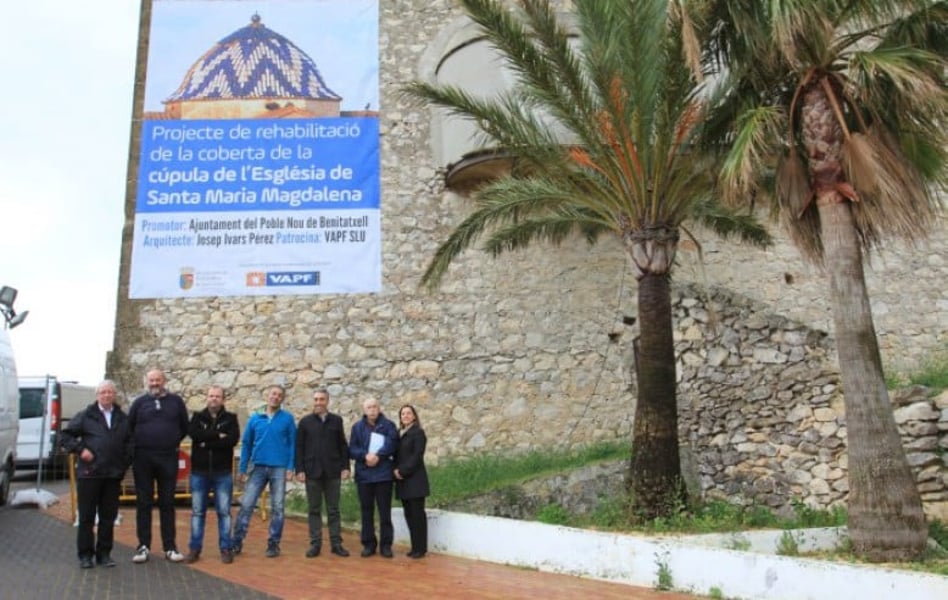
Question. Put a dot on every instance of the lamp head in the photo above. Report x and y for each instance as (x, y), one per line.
(7, 297)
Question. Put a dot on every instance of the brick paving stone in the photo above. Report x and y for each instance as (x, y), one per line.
(38, 560)
(292, 576)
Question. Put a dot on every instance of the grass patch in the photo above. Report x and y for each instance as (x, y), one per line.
(664, 582)
(709, 517)
(932, 373)
(553, 514)
(934, 560)
(462, 478)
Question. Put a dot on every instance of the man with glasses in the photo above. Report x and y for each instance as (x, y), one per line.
(322, 458)
(158, 420)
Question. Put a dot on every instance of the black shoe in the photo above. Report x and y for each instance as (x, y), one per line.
(367, 551)
(340, 551)
(313, 551)
(414, 554)
(237, 548)
(386, 551)
(86, 562)
(105, 561)
(273, 550)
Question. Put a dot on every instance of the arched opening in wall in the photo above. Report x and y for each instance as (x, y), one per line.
(462, 57)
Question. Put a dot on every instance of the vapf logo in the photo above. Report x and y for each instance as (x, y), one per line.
(282, 278)
(256, 279)
(186, 278)
(293, 278)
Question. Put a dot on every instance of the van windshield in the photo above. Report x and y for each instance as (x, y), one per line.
(32, 402)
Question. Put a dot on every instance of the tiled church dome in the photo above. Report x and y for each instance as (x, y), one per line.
(253, 62)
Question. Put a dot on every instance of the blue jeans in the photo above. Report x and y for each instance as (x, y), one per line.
(201, 486)
(259, 477)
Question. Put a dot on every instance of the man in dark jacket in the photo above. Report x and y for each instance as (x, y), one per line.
(159, 421)
(214, 432)
(372, 446)
(100, 436)
(322, 461)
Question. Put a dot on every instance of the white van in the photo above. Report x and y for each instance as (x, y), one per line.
(9, 419)
(46, 404)
(9, 403)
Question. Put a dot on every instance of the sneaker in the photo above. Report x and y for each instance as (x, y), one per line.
(237, 548)
(227, 557)
(273, 550)
(192, 557)
(141, 555)
(174, 555)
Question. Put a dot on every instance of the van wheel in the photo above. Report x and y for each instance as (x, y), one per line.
(5, 476)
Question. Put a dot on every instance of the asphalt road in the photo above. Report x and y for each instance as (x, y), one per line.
(38, 560)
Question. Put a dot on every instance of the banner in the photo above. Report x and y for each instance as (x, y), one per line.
(259, 158)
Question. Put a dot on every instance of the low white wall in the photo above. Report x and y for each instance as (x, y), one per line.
(634, 560)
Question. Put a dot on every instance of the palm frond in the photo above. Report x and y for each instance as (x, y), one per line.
(887, 66)
(759, 132)
(881, 73)
(894, 199)
(602, 123)
(509, 203)
(552, 228)
(727, 222)
(538, 54)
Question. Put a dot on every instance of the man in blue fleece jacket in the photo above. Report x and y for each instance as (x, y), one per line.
(267, 454)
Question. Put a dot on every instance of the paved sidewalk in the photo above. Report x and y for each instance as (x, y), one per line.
(38, 560)
(294, 577)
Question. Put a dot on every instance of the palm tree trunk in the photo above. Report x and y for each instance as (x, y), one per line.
(886, 521)
(655, 468)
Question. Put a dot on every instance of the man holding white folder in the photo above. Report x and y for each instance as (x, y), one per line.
(372, 445)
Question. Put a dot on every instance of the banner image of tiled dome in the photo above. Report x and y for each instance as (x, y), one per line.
(253, 73)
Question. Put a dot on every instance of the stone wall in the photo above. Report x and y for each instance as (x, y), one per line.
(579, 491)
(762, 419)
(762, 413)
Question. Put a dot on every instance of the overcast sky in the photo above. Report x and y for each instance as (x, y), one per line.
(65, 111)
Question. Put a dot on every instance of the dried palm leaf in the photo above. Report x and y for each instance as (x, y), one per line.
(794, 191)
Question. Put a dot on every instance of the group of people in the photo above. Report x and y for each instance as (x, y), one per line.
(274, 450)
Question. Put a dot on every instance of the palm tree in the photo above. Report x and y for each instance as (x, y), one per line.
(840, 108)
(630, 103)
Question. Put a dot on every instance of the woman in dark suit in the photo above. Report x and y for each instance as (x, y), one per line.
(411, 478)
